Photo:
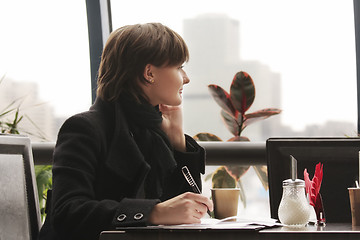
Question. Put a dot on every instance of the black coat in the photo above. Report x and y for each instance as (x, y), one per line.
(99, 174)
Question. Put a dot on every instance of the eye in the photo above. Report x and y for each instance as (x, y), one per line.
(181, 67)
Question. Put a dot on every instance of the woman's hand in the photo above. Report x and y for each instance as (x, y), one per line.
(185, 208)
(172, 125)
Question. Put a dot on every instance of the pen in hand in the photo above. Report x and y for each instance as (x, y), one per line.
(191, 182)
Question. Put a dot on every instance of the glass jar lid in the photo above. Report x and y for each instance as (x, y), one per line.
(296, 182)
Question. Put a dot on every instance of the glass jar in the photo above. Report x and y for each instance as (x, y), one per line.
(294, 208)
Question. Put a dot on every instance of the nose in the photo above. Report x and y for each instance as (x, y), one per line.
(186, 79)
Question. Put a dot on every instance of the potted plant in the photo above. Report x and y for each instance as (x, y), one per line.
(10, 118)
(234, 107)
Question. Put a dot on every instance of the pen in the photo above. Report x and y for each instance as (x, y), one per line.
(191, 181)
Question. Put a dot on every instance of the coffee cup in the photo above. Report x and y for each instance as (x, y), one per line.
(354, 195)
(226, 201)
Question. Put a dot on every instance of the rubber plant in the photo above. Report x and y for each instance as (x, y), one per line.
(234, 107)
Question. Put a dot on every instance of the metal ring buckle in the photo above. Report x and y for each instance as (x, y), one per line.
(121, 217)
(138, 216)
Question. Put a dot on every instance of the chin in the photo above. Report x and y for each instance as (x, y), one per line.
(175, 103)
(179, 102)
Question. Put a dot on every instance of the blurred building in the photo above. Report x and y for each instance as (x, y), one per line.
(38, 120)
(214, 45)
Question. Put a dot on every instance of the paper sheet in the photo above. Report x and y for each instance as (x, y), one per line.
(227, 223)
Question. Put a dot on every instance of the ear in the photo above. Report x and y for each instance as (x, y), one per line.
(148, 75)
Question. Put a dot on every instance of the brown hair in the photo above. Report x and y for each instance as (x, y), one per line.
(129, 49)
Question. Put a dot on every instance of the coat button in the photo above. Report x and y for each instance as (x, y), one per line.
(121, 217)
(138, 216)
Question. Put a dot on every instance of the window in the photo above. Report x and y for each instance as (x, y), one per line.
(44, 61)
(301, 56)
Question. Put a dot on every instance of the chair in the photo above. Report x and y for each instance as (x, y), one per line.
(19, 204)
(340, 158)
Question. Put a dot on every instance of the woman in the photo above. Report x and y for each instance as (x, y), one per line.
(119, 164)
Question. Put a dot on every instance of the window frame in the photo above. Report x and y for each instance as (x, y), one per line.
(99, 27)
(357, 47)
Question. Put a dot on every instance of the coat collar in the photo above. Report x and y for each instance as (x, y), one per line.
(124, 157)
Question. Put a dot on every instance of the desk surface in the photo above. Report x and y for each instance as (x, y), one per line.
(328, 228)
(331, 231)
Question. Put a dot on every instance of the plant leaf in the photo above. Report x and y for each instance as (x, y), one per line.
(44, 182)
(12, 106)
(242, 193)
(206, 137)
(222, 98)
(239, 139)
(7, 112)
(230, 122)
(222, 179)
(2, 78)
(208, 177)
(242, 92)
(261, 172)
(40, 133)
(260, 115)
(236, 171)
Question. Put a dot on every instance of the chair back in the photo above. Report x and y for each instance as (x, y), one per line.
(340, 158)
(19, 204)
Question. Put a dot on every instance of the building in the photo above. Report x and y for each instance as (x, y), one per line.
(214, 45)
(38, 117)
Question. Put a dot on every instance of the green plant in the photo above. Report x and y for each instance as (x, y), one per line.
(7, 126)
(10, 118)
(234, 107)
(12, 126)
(43, 173)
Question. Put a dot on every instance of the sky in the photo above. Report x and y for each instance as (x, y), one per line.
(47, 42)
(310, 42)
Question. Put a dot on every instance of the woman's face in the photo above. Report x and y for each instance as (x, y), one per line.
(166, 84)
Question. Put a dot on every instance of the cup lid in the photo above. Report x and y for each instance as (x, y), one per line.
(296, 182)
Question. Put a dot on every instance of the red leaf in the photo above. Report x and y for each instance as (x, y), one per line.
(313, 187)
(319, 209)
(318, 175)
(222, 98)
(242, 92)
(231, 123)
(260, 115)
(239, 139)
(206, 137)
(307, 181)
(237, 171)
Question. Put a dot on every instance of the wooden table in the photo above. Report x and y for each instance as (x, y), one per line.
(331, 231)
